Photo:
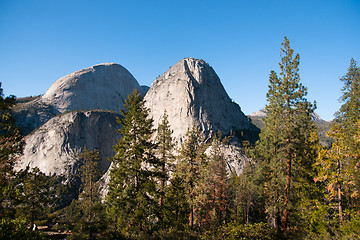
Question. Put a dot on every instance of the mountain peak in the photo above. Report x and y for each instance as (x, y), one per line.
(102, 86)
(192, 94)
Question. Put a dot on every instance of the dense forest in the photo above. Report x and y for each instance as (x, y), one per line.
(291, 188)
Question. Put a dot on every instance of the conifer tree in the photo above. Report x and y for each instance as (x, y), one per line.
(35, 195)
(338, 167)
(92, 220)
(132, 196)
(218, 182)
(11, 146)
(347, 120)
(287, 142)
(192, 160)
(349, 111)
(165, 147)
(176, 208)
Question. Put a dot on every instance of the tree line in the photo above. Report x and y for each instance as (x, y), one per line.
(292, 187)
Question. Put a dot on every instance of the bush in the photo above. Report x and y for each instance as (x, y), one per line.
(17, 230)
(249, 231)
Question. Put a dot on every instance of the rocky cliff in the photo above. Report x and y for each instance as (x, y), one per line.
(103, 86)
(53, 147)
(192, 94)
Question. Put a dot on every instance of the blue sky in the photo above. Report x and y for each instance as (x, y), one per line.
(42, 40)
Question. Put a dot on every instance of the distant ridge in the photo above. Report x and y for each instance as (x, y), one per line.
(262, 113)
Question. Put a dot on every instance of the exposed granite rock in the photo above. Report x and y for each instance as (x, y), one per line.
(30, 115)
(104, 86)
(53, 147)
(192, 94)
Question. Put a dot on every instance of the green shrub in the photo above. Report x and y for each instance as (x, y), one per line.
(17, 230)
(250, 231)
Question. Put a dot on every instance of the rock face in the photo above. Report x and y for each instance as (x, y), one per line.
(33, 114)
(104, 86)
(191, 93)
(260, 113)
(53, 147)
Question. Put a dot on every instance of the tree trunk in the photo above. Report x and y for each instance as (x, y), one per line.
(191, 217)
(287, 191)
(339, 190)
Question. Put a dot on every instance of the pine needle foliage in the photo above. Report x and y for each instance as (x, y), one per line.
(338, 167)
(165, 148)
(191, 163)
(133, 197)
(92, 222)
(11, 146)
(287, 143)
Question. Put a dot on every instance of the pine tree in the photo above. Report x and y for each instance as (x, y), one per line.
(287, 142)
(11, 146)
(347, 120)
(165, 147)
(349, 111)
(92, 220)
(334, 172)
(217, 181)
(35, 195)
(132, 196)
(339, 166)
(248, 198)
(176, 208)
(191, 161)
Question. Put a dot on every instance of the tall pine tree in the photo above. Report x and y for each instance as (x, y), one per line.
(287, 142)
(338, 166)
(132, 196)
(217, 180)
(191, 162)
(165, 147)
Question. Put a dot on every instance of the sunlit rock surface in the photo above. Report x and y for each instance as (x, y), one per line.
(192, 94)
(54, 147)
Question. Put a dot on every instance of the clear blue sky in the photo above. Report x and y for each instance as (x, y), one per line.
(43, 40)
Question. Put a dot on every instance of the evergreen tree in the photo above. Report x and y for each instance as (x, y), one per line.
(347, 121)
(287, 142)
(217, 182)
(338, 166)
(191, 161)
(11, 146)
(35, 195)
(248, 198)
(349, 111)
(132, 197)
(92, 221)
(165, 147)
(176, 208)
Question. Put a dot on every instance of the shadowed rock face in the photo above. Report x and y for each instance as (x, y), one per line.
(54, 147)
(191, 93)
(104, 86)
